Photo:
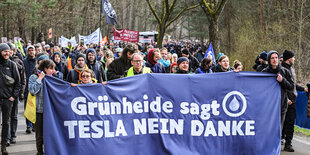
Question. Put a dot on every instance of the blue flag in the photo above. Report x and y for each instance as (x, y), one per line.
(210, 52)
(224, 113)
(110, 14)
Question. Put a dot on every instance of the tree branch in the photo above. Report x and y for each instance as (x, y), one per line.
(153, 11)
(204, 2)
(220, 8)
(180, 13)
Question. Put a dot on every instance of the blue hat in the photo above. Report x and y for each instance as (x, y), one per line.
(42, 57)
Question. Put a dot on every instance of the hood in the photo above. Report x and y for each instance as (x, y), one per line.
(91, 50)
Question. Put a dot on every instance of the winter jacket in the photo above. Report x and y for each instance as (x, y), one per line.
(9, 68)
(97, 67)
(29, 65)
(21, 70)
(157, 68)
(193, 63)
(292, 94)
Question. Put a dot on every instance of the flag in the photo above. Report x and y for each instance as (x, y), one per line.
(50, 33)
(110, 14)
(210, 51)
(104, 40)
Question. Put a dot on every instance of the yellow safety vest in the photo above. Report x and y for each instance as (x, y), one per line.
(131, 73)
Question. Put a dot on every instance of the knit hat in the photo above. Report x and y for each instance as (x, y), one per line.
(263, 55)
(287, 55)
(173, 64)
(78, 56)
(181, 59)
(4, 46)
(185, 51)
(12, 46)
(30, 47)
(42, 57)
(219, 55)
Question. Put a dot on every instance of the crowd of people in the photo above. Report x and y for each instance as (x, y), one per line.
(84, 64)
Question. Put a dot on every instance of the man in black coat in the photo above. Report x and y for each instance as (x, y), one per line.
(118, 66)
(29, 64)
(283, 77)
(288, 128)
(8, 91)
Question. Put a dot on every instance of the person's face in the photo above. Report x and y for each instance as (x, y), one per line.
(91, 56)
(169, 56)
(57, 58)
(224, 63)
(292, 60)
(5, 54)
(175, 58)
(86, 77)
(185, 55)
(11, 53)
(49, 71)
(281, 59)
(137, 62)
(156, 56)
(174, 69)
(69, 44)
(274, 60)
(81, 62)
(184, 66)
(239, 68)
(31, 52)
(38, 50)
(163, 54)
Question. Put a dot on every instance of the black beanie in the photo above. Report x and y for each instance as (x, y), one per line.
(287, 55)
(78, 56)
(181, 59)
(185, 51)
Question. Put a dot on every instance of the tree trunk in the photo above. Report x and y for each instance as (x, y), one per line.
(261, 15)
(213, 33)
(161, 34)
(228, 25)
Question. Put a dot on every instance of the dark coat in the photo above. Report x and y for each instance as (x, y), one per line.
(21, 70)
(9, 68)
(29, 65)
(97, 67)
(157, 68)
(117, 68)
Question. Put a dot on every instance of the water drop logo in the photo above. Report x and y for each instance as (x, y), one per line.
(234, 104)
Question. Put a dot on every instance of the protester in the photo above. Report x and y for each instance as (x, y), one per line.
(87, 76)
(29, 64)
(238, 67)
(152, 61)
(120, 65)
(94, 65)
(137, 66)
(21, 70)
(174, 57)
(288, 128)
(74, 75)
(263, 61)
(36, 88)
(193, 62)
(164, 59)
(9, 91)
(205, 66)
(183, 66)
(173, 67)
(283, 77)
(223, 64)
(59, 64)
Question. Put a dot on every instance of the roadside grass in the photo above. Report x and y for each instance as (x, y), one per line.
(302, 131)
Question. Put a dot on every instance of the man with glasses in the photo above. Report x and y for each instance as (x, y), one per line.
(137, 66)
(94, 65)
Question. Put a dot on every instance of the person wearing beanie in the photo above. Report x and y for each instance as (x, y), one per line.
(263, 61)
(29, 64)
(283, 77)
(281, 58)
(152, 61)
(173, 67)
(183, 66)
(42, 57)
(223, 64)
(193, 61)
(8, 92)
(74, 75)
(288, 128)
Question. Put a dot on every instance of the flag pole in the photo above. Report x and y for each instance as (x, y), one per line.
(100, 20)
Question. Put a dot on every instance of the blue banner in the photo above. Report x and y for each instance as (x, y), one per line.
(301, 110)
(158, 114)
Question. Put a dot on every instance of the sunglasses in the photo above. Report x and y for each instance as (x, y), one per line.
(85, 76)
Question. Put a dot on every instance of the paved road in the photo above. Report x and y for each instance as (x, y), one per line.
(26, 142)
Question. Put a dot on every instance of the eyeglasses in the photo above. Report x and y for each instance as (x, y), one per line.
(85, 76)
(136, 61)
